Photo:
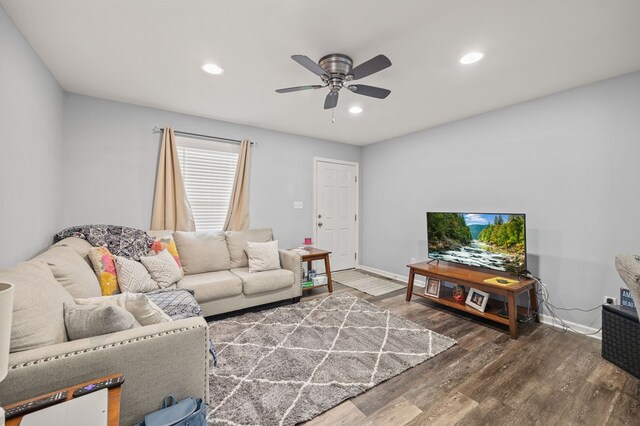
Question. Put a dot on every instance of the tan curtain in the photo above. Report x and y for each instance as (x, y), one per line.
(171, 208)
(238, 213)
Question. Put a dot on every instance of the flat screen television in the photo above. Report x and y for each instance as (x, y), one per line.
(485, 240)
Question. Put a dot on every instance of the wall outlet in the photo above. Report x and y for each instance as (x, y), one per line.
(610, 300)
(412, 261)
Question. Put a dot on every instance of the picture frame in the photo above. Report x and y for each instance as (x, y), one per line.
(477, 299)
(432, 287)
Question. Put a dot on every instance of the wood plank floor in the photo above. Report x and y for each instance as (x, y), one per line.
(545, 377)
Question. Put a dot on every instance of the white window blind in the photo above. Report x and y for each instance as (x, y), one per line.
(208, 170)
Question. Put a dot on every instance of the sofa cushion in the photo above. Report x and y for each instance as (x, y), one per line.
(96, 320)
(164, 240)
(262, 282)
(163, 268)
(70, 269)
(105, 268)
(38, 306)
(212, 285)
(200, 252)
(263, 256)
(81, 246)
(237, 244)
(139, 305)
(133, 277)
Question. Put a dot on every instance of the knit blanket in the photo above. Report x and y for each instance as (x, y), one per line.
(177, 303)
(122, 241)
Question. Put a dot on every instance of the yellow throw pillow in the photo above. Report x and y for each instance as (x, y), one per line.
(169, 244)
(105, 269)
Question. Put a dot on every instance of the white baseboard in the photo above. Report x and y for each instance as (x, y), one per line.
(578, 328)
(545, 319)
(390, 275)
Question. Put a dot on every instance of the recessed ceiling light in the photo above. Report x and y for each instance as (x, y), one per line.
(471, 58)
(355, 110)
(212, 69)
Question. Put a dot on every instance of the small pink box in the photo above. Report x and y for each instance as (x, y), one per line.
(307, 241)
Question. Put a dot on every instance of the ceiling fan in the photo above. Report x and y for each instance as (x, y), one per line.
(336, 69)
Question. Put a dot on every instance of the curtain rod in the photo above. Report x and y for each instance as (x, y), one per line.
(197, 135)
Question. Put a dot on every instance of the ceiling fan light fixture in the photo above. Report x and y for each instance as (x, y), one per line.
(355, 110)
(471, 58)
(212, 69)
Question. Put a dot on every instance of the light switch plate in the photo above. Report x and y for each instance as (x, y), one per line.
(298, 204)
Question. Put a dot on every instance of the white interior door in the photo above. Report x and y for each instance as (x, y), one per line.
(336, 213)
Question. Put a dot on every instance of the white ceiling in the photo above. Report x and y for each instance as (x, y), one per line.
(149, 52)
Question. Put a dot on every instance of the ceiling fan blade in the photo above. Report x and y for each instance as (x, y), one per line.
(374, 92)
(372, 66)
(309, 64)
(331, 101)
(298, 88)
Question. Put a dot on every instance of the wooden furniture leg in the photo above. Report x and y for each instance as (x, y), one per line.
(533, 294)
(513, 315)
(412, 274)
(309, 264)
(327, 267)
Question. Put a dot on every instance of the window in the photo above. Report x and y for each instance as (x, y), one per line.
(208, 170)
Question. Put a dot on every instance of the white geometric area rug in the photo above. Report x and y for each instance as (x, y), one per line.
(375, 286)
(287, 365)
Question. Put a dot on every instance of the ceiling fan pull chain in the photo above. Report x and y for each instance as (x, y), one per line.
(333, 115)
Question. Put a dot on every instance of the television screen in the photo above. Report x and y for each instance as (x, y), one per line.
(486, 240)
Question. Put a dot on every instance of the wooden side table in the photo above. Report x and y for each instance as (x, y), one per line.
(113, 407)
(318, 254)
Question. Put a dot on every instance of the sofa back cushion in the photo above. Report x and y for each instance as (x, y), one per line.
(71, 271)
(80, 246)
(204, 251)
(237, 244)
(38, 306)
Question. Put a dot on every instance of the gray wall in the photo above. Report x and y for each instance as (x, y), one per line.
(31, 104)
(111, 158)
(569, 161)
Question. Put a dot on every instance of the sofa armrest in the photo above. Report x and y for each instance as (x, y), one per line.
(156, 360)
(292, 261)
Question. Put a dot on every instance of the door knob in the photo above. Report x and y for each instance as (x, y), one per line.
(319, 224)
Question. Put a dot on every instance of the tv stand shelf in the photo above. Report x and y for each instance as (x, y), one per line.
(474, 278)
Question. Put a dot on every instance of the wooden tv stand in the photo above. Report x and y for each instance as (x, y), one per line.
(475, 278)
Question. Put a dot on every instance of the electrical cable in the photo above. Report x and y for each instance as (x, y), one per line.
(543, 295)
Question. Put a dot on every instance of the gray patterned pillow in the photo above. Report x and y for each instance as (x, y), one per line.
(133, 277)
(163, 268)
(96, 320)
(263, 256)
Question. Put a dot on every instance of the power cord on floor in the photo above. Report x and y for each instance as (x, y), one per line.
(544, 301)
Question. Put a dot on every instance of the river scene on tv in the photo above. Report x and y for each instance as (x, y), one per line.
(495, 241)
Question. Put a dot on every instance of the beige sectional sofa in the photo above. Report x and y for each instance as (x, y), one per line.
(157, 360)
(216, 268)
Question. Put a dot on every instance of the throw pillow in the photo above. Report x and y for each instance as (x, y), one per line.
(144, 310)
(204, 251)
(95, 320)
(163, 268)
(263, 256)
(133, 277)
(71, 270)
(105, 268)
(166, 243)
(237, 244)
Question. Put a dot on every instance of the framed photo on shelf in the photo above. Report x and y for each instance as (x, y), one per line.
(477, 299)
(432, 287)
